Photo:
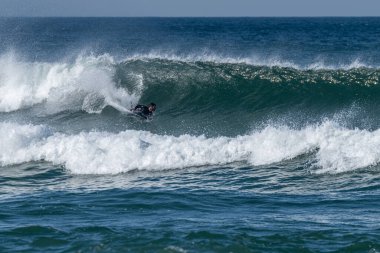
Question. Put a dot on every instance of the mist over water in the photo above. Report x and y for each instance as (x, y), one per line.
(266, 130)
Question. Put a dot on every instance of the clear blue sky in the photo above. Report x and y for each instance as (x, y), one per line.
(212, 8)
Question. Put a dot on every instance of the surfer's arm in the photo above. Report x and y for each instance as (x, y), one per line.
(138, 108)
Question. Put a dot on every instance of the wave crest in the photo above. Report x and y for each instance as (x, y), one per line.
(257, 61)
(61, 86)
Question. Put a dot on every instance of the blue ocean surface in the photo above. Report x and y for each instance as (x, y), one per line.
(266, 136)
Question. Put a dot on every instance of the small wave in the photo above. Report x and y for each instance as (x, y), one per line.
(337, 149)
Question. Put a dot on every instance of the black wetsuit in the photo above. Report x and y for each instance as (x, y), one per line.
(143, 111)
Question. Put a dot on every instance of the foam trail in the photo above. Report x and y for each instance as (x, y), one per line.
(86, 84)
(337, 149)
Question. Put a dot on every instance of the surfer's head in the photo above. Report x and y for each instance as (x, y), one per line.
(152, 107)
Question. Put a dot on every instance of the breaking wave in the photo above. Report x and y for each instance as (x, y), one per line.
(86, 84)
(90, 83)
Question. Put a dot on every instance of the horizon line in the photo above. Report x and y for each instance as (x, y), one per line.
(327, 16)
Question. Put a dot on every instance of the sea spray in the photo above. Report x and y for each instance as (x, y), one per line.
(79, 85)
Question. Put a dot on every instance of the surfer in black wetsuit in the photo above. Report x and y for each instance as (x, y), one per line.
(145, 111)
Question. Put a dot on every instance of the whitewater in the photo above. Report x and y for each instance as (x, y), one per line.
(336, 149)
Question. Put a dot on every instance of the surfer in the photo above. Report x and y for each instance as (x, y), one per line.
(145, 111)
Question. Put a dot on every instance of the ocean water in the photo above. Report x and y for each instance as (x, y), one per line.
(266, 136)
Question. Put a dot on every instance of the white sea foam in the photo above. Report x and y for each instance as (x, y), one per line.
(85, 84)
(337, 149)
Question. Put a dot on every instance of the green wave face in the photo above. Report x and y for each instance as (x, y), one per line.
(193, 96)
(238, 95)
